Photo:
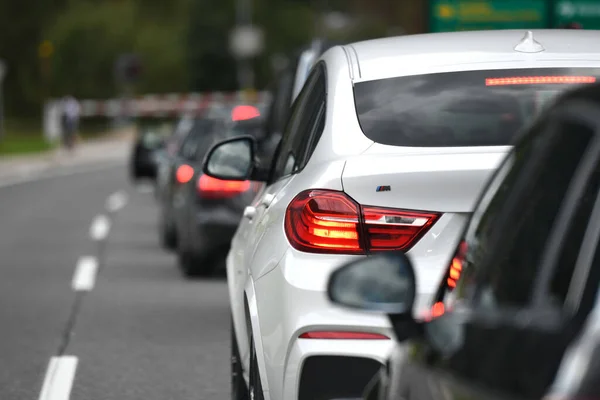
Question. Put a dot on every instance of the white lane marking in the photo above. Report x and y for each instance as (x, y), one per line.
(59, 378)
(116, 201)
(84, 278)
(100, 227)
(48, 174)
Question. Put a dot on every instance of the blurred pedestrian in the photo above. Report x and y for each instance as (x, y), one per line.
(70, 120)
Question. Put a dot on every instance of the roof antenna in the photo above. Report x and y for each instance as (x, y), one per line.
(528, 44)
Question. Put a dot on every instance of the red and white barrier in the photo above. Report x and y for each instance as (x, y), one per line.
(164, 105)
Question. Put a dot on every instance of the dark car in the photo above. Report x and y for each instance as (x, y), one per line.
(180, 150)
(207, 211)
(150, 141)
(517, 313)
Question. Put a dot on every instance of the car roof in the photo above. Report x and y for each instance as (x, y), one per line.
(383, 58)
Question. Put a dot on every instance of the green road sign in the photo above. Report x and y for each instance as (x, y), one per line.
(584, 12)
(462, 15)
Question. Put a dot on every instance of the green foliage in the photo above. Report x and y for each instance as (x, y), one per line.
(183, 44)
(22, 137)
(210, 65)
(87, 39)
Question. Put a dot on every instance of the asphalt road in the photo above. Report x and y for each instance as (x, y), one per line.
(139, 330)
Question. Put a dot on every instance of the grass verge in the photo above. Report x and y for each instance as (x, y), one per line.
(22, 137)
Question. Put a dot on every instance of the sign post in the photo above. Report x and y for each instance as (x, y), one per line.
(245, 42)
(127, 69)
(2, 74)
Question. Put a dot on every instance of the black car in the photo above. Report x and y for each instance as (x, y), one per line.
(517, 313)
(206, 210)
(180, 153)
(150, 141)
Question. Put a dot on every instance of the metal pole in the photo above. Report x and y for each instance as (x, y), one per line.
(245, 70)
(1, 108)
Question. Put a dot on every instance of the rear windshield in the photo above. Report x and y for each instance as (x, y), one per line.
(455, 109)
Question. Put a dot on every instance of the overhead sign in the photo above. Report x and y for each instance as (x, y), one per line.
(246, 41)
(584, 12)
(462, 15)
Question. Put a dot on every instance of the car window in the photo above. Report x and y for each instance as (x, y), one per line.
(301, 127)
(466, 108)
(508, 233)
(189, 145)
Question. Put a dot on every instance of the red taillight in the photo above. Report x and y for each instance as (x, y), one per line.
(537, 80)
(323, 221)
(390, 229)
(343, 335)
(456, 265)
(184, 173)
(214, 188)
(244, 112)
(320, 221)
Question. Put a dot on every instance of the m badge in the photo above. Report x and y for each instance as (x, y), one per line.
(383, 189)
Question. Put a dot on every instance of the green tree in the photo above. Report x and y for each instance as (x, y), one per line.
(211, 67)
(22, 24)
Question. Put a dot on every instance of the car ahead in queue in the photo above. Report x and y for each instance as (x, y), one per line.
(388, 146)
(149, 144)
(181, 151)
(516, 314)
(206, 210)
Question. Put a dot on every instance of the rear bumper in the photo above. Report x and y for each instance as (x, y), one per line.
(213, 230)
(144, 166)
(352, 374)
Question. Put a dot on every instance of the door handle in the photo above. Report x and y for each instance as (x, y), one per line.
(267, 200)
(249, 212)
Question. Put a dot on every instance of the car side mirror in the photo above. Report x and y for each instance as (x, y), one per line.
(384, 283)
(233, 160)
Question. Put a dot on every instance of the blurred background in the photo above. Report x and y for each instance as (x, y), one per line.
(103, 52)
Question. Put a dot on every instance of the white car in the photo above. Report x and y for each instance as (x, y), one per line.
(388, 147)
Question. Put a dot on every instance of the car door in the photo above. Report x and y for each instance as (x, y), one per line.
(286, 162)
(513, 300)
(306, 122)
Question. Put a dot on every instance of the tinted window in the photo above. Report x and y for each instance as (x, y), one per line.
(468, 108)
(305, 118)
(565, 264)
(200, 130)
(507, 237)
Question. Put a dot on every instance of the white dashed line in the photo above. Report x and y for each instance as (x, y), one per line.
(100, 227)
(84, 278)
(116, 201)
(59, 378)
